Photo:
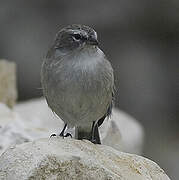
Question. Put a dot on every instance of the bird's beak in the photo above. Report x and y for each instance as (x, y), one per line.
(93, 41)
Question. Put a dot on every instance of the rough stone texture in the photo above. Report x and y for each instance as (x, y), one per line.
(121, 131)
(13, 129)
(57, 158)
(8, 91)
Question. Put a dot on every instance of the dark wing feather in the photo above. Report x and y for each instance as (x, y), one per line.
(108, 113)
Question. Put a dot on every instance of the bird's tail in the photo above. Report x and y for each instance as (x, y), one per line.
(92, 135)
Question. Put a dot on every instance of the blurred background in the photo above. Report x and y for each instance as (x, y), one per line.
(140, 38)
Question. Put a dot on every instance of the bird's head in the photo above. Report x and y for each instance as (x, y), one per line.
(75, 37)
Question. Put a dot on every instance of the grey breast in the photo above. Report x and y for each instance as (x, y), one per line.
(78, 87)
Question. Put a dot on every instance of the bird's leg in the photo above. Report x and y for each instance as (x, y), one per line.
(62, 132)
(95, 138)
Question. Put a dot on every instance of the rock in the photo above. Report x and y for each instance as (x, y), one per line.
(8, 91)
(58, 158)
(121, 131)
(12, 128)
(33, 119)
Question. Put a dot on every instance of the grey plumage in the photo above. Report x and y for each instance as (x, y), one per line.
(77, 80)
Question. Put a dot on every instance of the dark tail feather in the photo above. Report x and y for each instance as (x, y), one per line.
(82, 134)
(92, 135)
(96, 137)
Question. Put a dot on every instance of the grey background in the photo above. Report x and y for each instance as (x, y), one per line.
(140, 38)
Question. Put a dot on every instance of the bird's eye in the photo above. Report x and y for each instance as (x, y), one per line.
(77, 36)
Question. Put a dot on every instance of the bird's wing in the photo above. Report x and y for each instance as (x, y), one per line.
(109, 111)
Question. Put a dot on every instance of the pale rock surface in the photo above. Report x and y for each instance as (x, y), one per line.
(8, 91)
(12, 128)
(121, 131)
(33, 120)
(56, 158)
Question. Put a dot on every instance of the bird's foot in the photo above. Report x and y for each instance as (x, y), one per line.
(62, 135)
(52, 135)
(94, 141)
(67, 135)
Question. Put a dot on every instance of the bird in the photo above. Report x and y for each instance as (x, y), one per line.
(78, 81)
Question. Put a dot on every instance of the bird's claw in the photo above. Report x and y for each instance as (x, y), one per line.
(52, 135)
(66, 135)
(94, 141)
(62, 135)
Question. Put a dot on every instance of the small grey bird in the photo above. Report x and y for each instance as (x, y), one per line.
(78, 81)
